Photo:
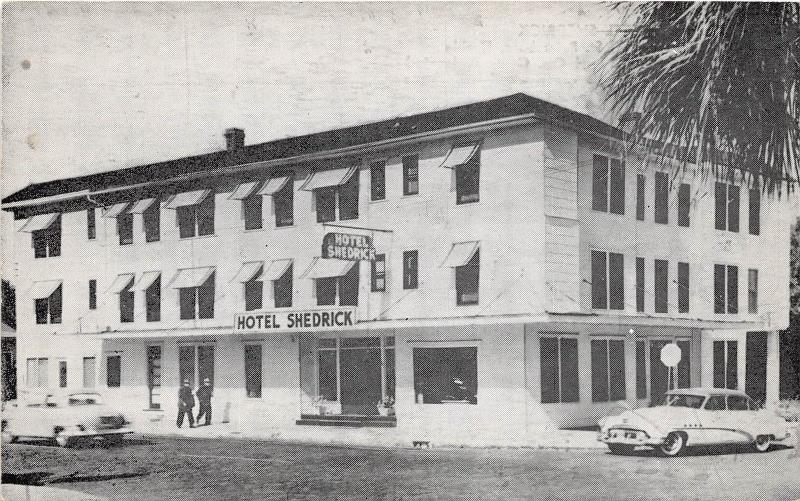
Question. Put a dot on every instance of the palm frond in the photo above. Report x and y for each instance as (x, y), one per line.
(719, 81)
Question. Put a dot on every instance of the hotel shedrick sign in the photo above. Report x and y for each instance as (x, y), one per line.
(348, 247)
(324, 319)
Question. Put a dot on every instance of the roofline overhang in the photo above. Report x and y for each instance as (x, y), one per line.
(393, 324)
(485, 126)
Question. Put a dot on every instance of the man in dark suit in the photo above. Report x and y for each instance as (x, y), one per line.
(185, 404)
(204, 394)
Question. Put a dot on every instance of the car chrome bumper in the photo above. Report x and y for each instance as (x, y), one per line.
(627, 436)
(74, 432)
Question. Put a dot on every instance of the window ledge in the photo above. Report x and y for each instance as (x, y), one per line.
(609, 213)
(254, 230)
(285, 227)
(379, 201)
(197, 237)
(410, 196)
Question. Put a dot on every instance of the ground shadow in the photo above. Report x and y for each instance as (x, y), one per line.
(707, 450)
(27, 478)
(94, 477)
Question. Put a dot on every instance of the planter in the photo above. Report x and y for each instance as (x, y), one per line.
(385, 411)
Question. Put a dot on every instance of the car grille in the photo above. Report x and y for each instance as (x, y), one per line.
(111, 422)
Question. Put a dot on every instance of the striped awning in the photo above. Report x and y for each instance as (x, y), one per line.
(142, 205)
(277, 268)
(147, 279)
(326, 268)
(39, 222)
(122, 282)
(187, 198)
(459, 155)
(115, 210)
(44, 289)
(244, 190)
(328, 178)
(191, 277)
(274, 185)
(460, 254)
(249, 271)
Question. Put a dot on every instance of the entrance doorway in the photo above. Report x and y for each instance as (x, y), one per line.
(361, 380)
(660, 379)
(195, 363)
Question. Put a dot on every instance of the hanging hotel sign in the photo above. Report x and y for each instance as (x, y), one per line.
(349, 247)
(323, 319)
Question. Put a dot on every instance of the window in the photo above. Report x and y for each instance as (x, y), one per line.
(379, 273)
(91, 224)
(113, 371)
(37, 373)
(254, 293)
(661, 215)
(608, 185)
(198, 219)
(154, 376)
(348, 287)
(737, 403)
(125, 228)
(661, 278)
(411, 175)
(326, 291)
(326, 204)
(640, 182)
(126, 303)
(152, 299)
(390, 366)
(752, 291)
(683, 287)
(641, 370)
(62, 374)
(726, 289)
(446, 375)
(282, 289)
(608, 280)
(684, 201)
(48, 310)
(151, 218)
(726, 365)
(754, 208)
(640, 287)
(468, 280)
(92, 294)
(715, 403)
(197, 302)
(377, 175)
(252, 370)
(200, 357)
(284, 204)
(726, 207)
(410, 265)
(88, 372)
(608, 370)
(252, 206)
(468, 180)
(559, 369)
(348, 198)
(327, 378)
(47, 242)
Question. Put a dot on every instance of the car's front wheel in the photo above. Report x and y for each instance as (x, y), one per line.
(620, 449)
(762, 443)
(673, 444)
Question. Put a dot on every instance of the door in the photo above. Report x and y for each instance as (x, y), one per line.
(755, 379)
(154, 376)
(361, 380)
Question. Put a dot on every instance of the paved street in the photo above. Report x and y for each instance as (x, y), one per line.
(180, 468)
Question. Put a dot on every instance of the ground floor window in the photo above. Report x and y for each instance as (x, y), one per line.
(608, 370)
(195, 363)
(113, 371)
(37, 373)
(641, 369)
(726, 374)
(559, 369)
(446, 375)
(252, 370)
(88, 372)
(154, 376)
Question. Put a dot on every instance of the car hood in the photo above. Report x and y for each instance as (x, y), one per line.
(651, 418)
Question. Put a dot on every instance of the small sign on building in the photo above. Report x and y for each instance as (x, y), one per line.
(348, 247)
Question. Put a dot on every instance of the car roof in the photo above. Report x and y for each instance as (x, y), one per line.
(706, 392)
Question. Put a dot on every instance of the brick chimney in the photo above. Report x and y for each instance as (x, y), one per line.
(234, 138)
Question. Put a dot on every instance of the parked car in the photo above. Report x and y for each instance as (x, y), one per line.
(694, 416)
(62, 417)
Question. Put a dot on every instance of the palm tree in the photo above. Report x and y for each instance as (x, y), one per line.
(719, 80)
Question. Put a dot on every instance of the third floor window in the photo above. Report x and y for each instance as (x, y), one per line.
(194, 212)
(608, 280)
(726, 289)
(411, 174)
(726, 207)
(45, 230)
(608, 185)
(335, 193)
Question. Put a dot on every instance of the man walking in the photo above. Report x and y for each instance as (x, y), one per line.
(185, 404)
(204, 394)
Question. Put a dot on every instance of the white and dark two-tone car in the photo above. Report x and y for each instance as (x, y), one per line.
(65, 418)
(694, 416)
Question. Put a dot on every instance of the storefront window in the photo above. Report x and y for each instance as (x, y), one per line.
(559, 369)
(446, 375)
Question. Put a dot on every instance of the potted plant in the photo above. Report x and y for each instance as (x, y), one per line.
(386, 406)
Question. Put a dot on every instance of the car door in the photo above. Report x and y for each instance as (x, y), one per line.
(712, 420)
(742, 421)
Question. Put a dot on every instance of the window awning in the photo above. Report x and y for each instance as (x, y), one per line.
(191, 277)
(141, 206)
(244, 190)
(115, 210)
(44, 289)
(460, 254)
(121, 283)
(39, 222)
(459, 155)
(277, 268)
(326, 268)
(274, 185)
(248, 271)
(147, 279)
(327, 178)
(187, 198)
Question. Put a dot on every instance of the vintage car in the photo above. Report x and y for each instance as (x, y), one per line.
(62, 417)
(694, 416)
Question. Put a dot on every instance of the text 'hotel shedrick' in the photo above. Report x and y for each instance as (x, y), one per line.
(499, 270)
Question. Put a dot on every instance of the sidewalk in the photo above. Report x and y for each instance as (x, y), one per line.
(14, 492)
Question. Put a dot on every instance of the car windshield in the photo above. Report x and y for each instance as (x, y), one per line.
(84, 399)
(682, 400)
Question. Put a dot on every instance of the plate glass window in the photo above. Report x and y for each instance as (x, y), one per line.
(559, 369)
(446, 375)
(608, 370)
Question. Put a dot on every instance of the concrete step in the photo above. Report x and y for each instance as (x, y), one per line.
(346, 421)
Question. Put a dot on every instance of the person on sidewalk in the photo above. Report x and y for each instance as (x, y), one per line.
(185, 404)
(204, 394)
